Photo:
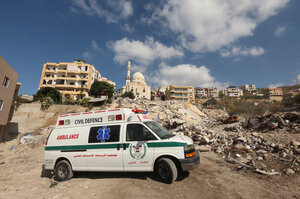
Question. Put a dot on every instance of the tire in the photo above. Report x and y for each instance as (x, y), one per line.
(166, 170)
(63, 171)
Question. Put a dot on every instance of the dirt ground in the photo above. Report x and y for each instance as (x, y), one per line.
(21, 168)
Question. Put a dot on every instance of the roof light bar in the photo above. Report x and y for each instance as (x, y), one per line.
(139, 111)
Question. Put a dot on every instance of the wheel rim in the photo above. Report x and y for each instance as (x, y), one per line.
(163, 171)
(62, 172)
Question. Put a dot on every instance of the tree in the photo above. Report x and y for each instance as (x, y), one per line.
(211, 101)
(297, 99)
(102, 88)
(48, 92)
(128, 94)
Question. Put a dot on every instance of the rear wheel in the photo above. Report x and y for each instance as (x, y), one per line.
(166, 170)
(63, 171)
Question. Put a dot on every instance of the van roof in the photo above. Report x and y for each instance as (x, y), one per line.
(102, 116)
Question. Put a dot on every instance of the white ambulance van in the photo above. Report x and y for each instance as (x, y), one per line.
(116, 140)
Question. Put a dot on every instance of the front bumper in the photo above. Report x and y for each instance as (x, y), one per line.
(190, 163)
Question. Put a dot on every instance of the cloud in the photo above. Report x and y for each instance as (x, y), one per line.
(280, 31)
(95, 46)
(90, 52)
(128, 28)
(111, 10)
(239, 51)
(209, 25)
(142, 53)
(184, 74)
(275, 85)
(297, 80)
(86, 55)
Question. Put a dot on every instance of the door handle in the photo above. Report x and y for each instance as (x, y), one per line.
(118, 147)
(124, 146)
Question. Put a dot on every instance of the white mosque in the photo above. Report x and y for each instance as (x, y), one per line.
(136, 84)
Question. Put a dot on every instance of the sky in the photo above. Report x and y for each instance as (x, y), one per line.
(203, 43)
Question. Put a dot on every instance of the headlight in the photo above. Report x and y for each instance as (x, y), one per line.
(189, 147)
(189, 151)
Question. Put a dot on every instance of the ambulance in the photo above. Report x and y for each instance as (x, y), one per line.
(117, 140)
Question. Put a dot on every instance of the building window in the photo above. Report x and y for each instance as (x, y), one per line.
(1, 104)
(6, 82)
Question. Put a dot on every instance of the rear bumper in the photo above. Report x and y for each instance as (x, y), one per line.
(190, 163)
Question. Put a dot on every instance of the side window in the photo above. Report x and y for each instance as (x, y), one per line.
(6, 81)
(138, 132)
(1, 105)
(104, 134)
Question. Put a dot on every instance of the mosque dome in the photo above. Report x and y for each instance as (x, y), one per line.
(138, 77)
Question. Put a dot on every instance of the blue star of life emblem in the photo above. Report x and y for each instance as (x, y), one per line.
(103, 134)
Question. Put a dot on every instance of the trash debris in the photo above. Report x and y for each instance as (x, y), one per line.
(12, 148)
(267, 172)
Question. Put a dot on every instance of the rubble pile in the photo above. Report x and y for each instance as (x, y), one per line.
(177, 117)
(246, 143)
(286, 122)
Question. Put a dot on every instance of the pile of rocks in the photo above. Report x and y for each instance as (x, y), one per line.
(246, 144)
(267, 122)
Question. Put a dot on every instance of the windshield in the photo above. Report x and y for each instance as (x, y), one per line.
(158, 130)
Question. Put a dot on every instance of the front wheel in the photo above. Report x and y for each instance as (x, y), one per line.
(166, 170)
(63, 171)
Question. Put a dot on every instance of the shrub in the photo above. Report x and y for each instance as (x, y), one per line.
(85, 101)
(211, 101)
(46, 103)
(297, 99)
(128, 94)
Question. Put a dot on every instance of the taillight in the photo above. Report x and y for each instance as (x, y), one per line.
(61, 122)
(47, 139)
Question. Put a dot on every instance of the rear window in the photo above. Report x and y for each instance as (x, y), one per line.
(103, 134)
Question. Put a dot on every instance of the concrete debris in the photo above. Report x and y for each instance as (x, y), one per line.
(289, 122)
(290, 171)
(267, 172)
(242, 141)
(30, 138)
(203, 148)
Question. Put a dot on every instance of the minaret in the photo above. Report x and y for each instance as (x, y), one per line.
(128, 73)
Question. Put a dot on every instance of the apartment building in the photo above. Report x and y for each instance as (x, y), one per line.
(248, 88)
(70, 79)
(275, 94)
(201, 92)
(206, 92)
(233, 91)
(181, 93)
(8, 94)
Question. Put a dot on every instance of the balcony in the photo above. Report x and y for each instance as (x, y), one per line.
(179, 97)
(178, 91)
